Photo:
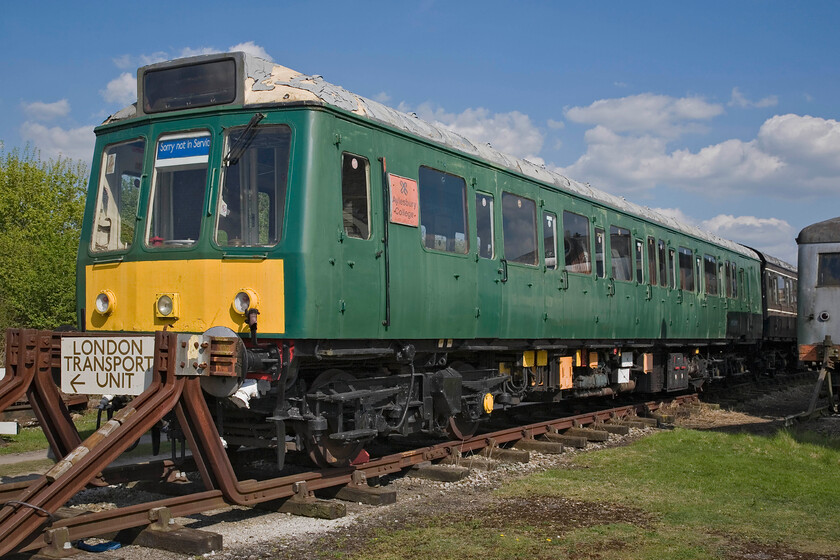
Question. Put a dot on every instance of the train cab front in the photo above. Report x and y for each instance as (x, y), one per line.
(185, 214)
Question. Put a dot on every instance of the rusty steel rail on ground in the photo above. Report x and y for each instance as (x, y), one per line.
(27, 520)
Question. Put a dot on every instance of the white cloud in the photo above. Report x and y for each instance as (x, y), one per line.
(382, 97)
(773, 236)
(75, 143)
(131, 62)
(41, 111)
(189, 51)
(811, 142)
(555, 125)
(121, 90)
(513, 133)
(677, 214)
(626, 164)
(252, 49)
(647, 113)
(738, 100)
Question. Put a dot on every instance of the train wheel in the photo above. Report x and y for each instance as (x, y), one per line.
(323, 451)
(460, 427)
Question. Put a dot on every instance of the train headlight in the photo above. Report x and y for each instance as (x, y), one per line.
(244, 300)
(166, 306)
(105, 302)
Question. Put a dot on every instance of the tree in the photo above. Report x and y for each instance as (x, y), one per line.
(41, 211)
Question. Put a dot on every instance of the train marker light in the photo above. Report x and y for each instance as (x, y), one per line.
(488, 402)
(105, 302)
(244, 300)
(167, 306)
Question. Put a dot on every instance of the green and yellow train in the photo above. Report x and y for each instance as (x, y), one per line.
(387, 275)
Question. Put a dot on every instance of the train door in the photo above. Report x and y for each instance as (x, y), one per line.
(604, 290)
(522, 281)
(623, 285)
(488, 266)
(577, 273)
(361, 265)
(555, 277)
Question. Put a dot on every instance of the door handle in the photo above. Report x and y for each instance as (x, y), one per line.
(503, 270)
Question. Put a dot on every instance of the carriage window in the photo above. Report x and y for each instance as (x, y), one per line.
(772, 294)
(651, 255)
(550, 240)
(484, 225)
(698, 274)
(711, 273)
(788, 295)
(178, 190)
(443, 211)
(600, 271)
(672, 265)
(620, 252)
(519, 225)
(663, 265)
(252, 201)
(119, 194)
(736, 281)
(780, 289)
(576, 243)
(728, 277)
(355, 196)
(640, 271)
(828, 270)
(686, 270)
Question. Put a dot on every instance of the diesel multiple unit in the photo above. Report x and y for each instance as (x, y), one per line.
(346, 270)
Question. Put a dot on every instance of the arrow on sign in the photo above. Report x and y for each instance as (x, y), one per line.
(73, 382)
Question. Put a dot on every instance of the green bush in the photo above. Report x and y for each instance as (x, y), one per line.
(41, 210)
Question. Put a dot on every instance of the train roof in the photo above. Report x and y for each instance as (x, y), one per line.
(266, 83)
(821, 232)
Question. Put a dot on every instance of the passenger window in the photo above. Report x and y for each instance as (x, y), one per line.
(828, 270)
(788, 296)
(711, 273)
(663, 265)
(355, 195)
(640, 271)
(780, 288)
(736, 281)
(728, 269)
(686, 270)
(252, 203)
(119, 195)
(620, 261)
(672, 264)
(484, 225)
(550, 240)
(576, 243)
(698, 274)
(443, 211)
(600, 270)
(519, 225)
(651, 255)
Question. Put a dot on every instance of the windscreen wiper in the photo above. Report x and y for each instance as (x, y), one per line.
(244, 140)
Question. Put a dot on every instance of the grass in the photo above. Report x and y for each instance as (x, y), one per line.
(33, 439)
(678, 494)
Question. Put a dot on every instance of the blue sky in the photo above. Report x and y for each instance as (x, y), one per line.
(722, 113)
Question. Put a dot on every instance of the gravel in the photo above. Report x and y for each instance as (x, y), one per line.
(251, 534)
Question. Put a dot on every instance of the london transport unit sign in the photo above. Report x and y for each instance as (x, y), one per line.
(109, 365)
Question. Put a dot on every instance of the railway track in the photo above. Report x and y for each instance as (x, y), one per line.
(295, 493)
